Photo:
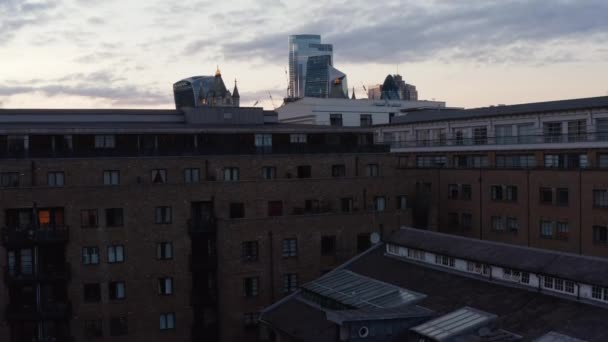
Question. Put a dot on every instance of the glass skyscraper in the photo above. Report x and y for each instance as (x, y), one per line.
(323, 80)
(302, 46)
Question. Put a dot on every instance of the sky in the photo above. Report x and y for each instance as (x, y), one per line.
(128, 53)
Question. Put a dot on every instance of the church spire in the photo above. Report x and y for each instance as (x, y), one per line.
(354, 97)
(235, 92)
(217, 71)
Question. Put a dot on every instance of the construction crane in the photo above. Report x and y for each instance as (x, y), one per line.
(255, 103)
(272, 101)
(288, 85)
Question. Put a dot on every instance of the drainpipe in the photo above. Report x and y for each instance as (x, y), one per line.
(480, 205)
(580, 211)
(271, 265)
(528, 206)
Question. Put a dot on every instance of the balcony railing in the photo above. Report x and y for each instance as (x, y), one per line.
(203, 225)
(511, 140)
(43, 273)
(35, 235)
(33, 311)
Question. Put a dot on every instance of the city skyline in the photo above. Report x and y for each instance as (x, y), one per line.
(81, 54)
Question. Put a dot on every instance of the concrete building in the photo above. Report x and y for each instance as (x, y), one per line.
(531, 174)
(301, 47)
(425, 286)
(347, 112)
(176, 225)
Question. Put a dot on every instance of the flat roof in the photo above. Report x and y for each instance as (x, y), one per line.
(454, 324)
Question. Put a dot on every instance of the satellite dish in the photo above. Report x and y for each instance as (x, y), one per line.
(374, 238)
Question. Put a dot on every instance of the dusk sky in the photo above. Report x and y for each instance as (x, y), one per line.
(127, 54)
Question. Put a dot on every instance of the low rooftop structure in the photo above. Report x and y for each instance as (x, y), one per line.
(469, 290)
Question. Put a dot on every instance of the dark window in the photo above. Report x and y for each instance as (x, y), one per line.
(116, 254)
(312, 206)
(92, 292)
(335, 119)
(600, 198)
(159, 176)
(338, 171)
(114, 217)
(290, 248)
(251, 286)
(90, 255)
(304, 171)
(546, 229)
(379, 203)
(116, 289)
(164, 251)
(269, 172)
(328, 245)
(401, 202)
(192, 175)
(163, 215)
(363, 242)
(9, 179)
(346, 204)
(118, 326)
(290, 282)
(55, 179)
(467, 221)
(467, 192)
(88, 218)
(600, 234)
(231, 174)
(275, 208)
(251, 320)
(365, 120)
(563, 230)
(511, 193)
(546, 195)
(249, 250)
(562, 196)
(111, 177)
(165, 286)
(496, 191)
(93, 328)
(372, 170)
(453, 220)
(237, 210)
(453, 191)
(167, 321)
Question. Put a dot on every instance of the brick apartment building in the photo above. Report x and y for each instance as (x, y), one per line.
(532, 174)
(166, 225)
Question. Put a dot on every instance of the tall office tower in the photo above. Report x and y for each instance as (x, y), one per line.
(302, 46)
(198, 91)
(323, 80)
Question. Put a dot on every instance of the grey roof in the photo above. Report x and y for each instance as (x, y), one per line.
(590, 270)
(358, 291)
(557, 337)
(517, 109)
(456, 323)
(408, 311)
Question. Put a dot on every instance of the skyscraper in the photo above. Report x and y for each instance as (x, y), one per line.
(323, 80)
(301, 47)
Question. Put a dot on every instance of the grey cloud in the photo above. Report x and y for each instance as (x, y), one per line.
(96, 21)
(15, 15)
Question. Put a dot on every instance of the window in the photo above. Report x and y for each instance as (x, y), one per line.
(401, 202)
(249, 250)
(290, 282)
(290, 248)
(561, 197)
(512, 224)
(118, 326)
(453, 220)
(163, 215)
(467, 221)
(363, 242)
(192, 175)
(159, 176)
(263, 140)
(504, 193)
(237, 210)
(9, 179)
(467, 192)
(504, 134)
(479, 268)
(346, 204)
(90, 255)
(114, 217)
(111, 177)
(471, 161)
(328, 245)
(269, 172)
(231, 174)
(251, 320)
(335, 119)
(88, 218)
(372, 170)
(165, 286)
(498, 223)
(55, 179)
(577, 130)
(516, 161)
(93, 329)
(275, 208)
(525, 133)
(516, 276)
(164, 251)
(546, 229)
(250, 286)
(304, 171)
(480, 135)
(600, 234)
(104, 141)
(552, 132)
(562, 230)
(546, 195)
(92, 292)
(600, 293)
(453, 191)
(569, 160)
(312, 206)
(600, 198)
(116, 254)
(416, 254)
(167, 321)
(496, 192)
(602, 158)
(298, 138)
(511, 193)
(379, 203)
(116, 289)
(338, 171)
(431, 161)
(445, 260)
(365, 120)
(227, 116)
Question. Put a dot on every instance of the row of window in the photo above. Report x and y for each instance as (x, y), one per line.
(89, 218)
(251, 285)
(116, 253)
(462, 221)
(119, 325)
(551, 160)
(117, 290)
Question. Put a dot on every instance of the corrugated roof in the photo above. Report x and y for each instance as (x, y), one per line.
(557, 337)
(590, 270)
(518, 109)
(372, 314)
(455, 323)
(358, 291)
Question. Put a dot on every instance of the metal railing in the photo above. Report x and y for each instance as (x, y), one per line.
(30, 234)
(19, 273)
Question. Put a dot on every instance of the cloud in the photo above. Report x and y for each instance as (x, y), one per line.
(96, 21)
(16, 15)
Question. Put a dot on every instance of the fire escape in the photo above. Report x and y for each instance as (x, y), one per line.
(203, 265)
(37, 274)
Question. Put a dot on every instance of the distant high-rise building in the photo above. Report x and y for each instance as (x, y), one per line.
(199, 91)
(406, 91)
(302, 46)
(393, 88)
(323, 80)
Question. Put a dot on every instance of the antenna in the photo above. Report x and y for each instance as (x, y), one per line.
(287, 79)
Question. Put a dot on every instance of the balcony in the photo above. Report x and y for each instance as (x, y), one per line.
(31, 311)
(202, 263)
(45, 273)
(202, 225)
(19, 236)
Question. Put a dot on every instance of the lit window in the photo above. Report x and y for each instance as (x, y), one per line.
(116, 290)
(164, 251)
(165, 286)
(290, 248)
(116, 254)
(167, 321)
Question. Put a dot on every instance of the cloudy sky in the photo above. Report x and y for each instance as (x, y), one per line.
(128, 53)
